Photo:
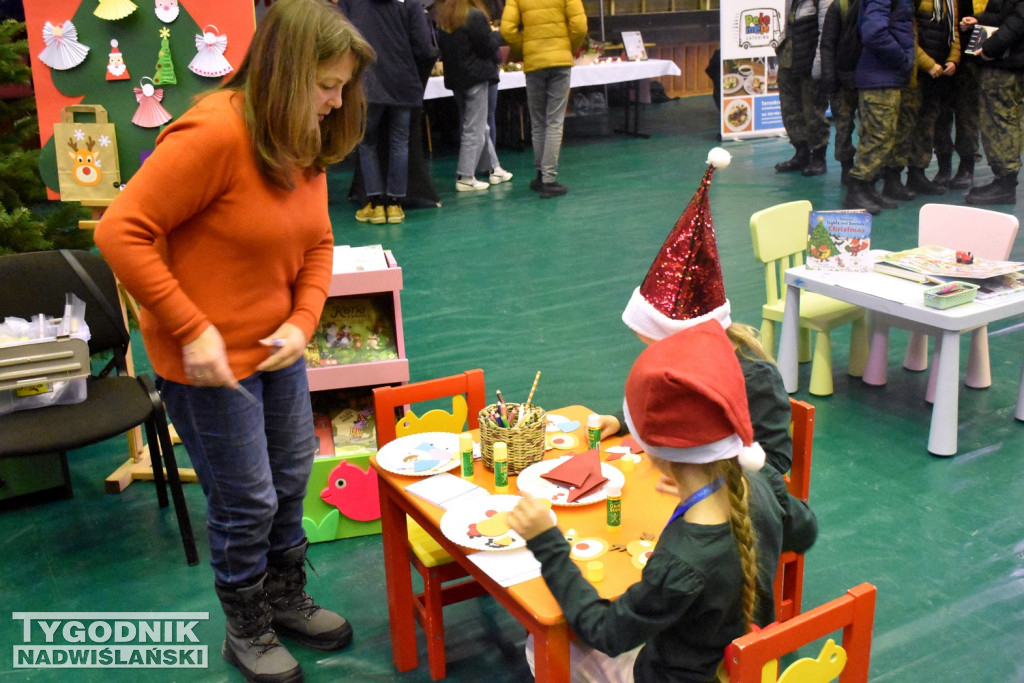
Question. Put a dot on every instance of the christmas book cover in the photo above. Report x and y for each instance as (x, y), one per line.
(839, 240)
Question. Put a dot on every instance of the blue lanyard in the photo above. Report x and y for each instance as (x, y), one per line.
(695, 498)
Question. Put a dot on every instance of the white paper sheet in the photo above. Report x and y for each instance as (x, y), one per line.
(508, 567)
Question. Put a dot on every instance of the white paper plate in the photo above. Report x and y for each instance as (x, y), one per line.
(732, 82)
(402, 455)
(530, 480)
(460, 524)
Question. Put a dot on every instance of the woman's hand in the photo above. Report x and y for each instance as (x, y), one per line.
(286, 345)
(531, 516)
(206, 361)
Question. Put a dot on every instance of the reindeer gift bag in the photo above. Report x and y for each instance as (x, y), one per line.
(86, 155)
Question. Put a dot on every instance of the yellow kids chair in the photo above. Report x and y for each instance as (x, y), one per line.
(779, 234)
(434, 564)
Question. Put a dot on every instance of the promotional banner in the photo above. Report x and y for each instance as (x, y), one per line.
(750, 32)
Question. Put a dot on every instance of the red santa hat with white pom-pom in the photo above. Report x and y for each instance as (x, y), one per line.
(686, 400)
(684, 286)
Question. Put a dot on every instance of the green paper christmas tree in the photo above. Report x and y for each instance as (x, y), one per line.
(164, 64)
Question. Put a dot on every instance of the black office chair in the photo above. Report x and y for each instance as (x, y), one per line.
(116, 402)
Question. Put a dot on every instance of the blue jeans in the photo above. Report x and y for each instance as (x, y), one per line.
(253, 462)
(547, 94)
(397, 121)
(476, 150)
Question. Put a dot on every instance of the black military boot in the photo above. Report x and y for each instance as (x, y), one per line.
(844, 177)
(250, 644)
(964, 175)
(800, 159)
(858, 196)
(816, 166)
(893, 187)
(879, 198)
(294, 613)
(1002, 190)
(919, 183)
(945, 173)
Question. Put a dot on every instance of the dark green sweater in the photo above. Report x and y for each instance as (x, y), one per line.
(686, 607)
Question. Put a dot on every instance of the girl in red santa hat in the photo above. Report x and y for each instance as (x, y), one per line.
(702, 587)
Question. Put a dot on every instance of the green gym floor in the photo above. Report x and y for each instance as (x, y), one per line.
(510, 283)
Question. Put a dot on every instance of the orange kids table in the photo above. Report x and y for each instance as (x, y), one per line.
(644, 511)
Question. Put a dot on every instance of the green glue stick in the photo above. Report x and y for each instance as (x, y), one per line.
(466, 449)
(500, 467)
(614, 505)
(594, 432)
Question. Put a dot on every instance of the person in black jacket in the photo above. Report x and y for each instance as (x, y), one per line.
(803, 107)
(840, 50)
(1001, 78)
(401, 37)
(469, 50)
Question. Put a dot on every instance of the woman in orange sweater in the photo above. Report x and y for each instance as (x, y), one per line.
(224, 239)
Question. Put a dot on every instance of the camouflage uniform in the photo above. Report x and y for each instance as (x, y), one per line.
(803, 110)
(844, 112)
(906, 125)
(1002, 93)
(879, 113)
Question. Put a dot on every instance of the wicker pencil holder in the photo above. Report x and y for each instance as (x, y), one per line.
(955, 293)
(525, 442)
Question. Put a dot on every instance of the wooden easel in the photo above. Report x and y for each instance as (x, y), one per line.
(139, 466)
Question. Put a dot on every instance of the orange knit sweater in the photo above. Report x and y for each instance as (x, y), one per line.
(199, 237)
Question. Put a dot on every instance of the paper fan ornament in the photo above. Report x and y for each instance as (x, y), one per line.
(150, 114)
(62, 51)
(117, 70)
(210, 60)
(112, 10)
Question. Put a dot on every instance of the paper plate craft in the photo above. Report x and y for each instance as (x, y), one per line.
(209, 60)
(62, 51)
(150, 114)
(563, 442)
(420, 455)
(112, 10)
(482, 524)
(588, 549)
(551, 479)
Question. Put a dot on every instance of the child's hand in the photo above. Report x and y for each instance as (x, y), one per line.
(531, 516)
(609, 426)
(667, 485)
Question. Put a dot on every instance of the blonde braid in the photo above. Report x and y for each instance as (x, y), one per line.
(743, 531)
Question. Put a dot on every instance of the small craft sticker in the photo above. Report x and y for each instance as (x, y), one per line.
(117, 70)
(150, 114)
(112, 10)
(209, 60)
(166, 10)
(62, 51)
(562, 442)
(588, 549)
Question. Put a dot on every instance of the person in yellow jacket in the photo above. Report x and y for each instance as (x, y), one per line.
(546, 33)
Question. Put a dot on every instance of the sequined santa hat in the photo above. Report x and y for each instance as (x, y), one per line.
(684, 285)
(686, 400)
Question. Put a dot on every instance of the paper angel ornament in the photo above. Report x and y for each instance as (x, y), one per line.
(150, 114)
(117, 70)
(62, 51)
(210, 60)
(112, 10)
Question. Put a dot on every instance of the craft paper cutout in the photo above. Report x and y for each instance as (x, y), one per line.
(615, 452)
(569, 425)
(563, 442)
(209, 60)
(629, 441)
(164, 64)
(117, 70)
(575, 470)
(554, 420)
(150, 114)
(588, 549)
(112, 10)
(594, 481)
(62, 51)
(423, 465)
(353, 491)
(166, 10)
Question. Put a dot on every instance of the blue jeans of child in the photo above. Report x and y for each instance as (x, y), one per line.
(397, 121)
(476, 150)
(253, 462)
(547, 94)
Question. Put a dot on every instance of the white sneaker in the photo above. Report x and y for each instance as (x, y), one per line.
(469, 184)
(499, 175)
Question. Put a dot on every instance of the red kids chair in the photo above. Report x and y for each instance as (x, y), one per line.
(789, 577)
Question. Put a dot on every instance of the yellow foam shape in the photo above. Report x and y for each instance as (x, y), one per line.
(435, 420)
(495, 525)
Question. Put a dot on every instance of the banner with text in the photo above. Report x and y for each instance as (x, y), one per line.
(750, 31)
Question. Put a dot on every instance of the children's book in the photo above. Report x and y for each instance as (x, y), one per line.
(354, 259)
(979, 34)
(343, 422)
(839, 240)
(354, 330)
(940, 261)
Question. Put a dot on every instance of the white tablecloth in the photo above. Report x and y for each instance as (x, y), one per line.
(591, 74)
